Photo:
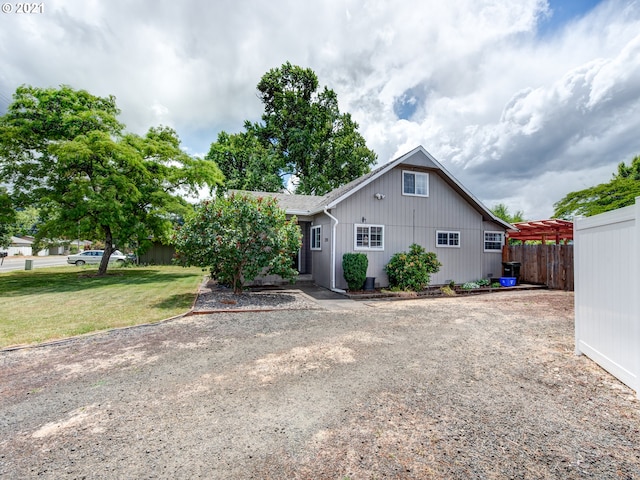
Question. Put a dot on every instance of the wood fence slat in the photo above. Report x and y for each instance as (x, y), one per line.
(550, 265)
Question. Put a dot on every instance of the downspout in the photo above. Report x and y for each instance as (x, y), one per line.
(333, 250)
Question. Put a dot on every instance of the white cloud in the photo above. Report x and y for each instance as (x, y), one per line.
(518, 116)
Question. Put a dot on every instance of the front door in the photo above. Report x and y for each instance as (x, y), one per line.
(302, 260)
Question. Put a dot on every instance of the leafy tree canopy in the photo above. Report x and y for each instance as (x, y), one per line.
(238, 237)
(502, 211)
(64, 151)
(26, 222)
(302, 136)
(620, 192)
(7, 217)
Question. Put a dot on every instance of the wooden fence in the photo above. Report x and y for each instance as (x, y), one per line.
(550, 265)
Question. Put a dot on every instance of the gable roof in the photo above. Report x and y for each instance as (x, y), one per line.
(314, 204)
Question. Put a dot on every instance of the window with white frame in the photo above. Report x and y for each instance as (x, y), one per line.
(316, 234)
(447, 239)
(369, 237)
(415, 183)
(493, 241)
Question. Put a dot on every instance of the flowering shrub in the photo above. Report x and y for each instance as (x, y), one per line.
(239, 237)
(354, 266)
(412, 270)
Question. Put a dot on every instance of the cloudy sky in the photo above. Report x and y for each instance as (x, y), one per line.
(522, 101)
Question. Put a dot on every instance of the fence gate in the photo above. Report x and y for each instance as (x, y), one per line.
(607, 291)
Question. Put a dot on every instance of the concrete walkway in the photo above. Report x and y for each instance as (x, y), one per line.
(330, 300)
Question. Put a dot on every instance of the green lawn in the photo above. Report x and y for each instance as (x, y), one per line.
(51, 303)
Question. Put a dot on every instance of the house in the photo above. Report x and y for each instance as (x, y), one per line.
(20, 246)
(412, 199)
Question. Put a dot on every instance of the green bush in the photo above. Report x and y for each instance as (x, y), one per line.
(355, 266)
(412, 270)
(238, 238)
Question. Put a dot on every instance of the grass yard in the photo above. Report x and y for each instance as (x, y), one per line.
(52, 303)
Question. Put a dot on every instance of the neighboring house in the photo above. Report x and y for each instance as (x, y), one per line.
(20, 246)
(412, 199)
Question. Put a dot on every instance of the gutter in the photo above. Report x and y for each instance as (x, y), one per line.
(333, 251)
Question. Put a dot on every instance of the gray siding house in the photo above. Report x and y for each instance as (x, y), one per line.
(412, 199)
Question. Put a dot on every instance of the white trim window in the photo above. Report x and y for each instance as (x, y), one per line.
(316, 237)
(415, 183)
(447, 239)
(368, 237)
(493, 241)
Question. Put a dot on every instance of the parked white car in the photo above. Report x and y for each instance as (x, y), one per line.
(95, 256)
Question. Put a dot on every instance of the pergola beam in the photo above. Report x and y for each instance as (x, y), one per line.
(558, 230)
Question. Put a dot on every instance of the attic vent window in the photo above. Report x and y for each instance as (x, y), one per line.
(415, 184)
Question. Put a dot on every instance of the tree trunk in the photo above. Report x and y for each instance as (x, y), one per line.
(108, 249)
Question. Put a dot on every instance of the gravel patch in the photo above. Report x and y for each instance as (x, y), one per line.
(216, 298)
(474, 387)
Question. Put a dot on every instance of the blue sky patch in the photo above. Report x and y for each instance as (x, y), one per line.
(563, 12)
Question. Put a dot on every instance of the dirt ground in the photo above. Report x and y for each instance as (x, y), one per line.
(483, 386)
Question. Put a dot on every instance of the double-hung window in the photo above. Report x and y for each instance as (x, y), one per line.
(316, 234)
(415, 183)
(493, 241)
(369, 237)
(447, 239)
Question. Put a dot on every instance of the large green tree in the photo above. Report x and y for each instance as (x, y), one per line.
(64, 151)
(620, 191)
(246, 163)
(302, 136)
(238, 237)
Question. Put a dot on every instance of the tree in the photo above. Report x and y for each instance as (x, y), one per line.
(502, 211)
(65, 152)
(620, 191)
(239, 237)
(246, 163)
(26, 222)
(7, 217)
(303, 136)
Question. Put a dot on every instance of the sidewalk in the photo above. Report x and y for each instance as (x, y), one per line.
(330, 300)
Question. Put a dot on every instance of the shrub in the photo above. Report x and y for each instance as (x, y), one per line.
(355, 266)
(447, 290)
(239, 237)
(412, 270)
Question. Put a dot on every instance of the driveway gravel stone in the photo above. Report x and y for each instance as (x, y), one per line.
(482, 386)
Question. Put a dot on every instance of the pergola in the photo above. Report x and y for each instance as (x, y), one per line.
(543, 230)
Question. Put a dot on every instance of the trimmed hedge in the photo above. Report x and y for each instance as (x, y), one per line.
(355, 267)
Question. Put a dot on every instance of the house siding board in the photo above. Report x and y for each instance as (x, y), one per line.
(321, 259)
(413, 219)
(491, 261)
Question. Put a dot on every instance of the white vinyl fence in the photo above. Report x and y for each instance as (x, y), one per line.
(607, 291)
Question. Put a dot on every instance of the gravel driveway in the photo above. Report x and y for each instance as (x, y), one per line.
(482, 386)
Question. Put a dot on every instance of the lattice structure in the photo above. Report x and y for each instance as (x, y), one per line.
(560, 231)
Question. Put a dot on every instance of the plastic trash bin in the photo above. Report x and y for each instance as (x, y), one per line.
(511, 269)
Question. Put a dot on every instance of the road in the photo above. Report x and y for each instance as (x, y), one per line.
(18, 263)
